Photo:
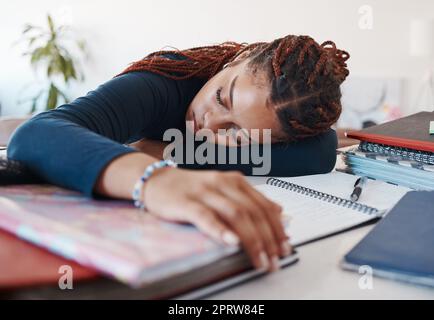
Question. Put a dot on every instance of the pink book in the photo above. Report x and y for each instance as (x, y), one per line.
(114, 237)
(108, 235)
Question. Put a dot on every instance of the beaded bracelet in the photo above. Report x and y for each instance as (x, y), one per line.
(138, 187)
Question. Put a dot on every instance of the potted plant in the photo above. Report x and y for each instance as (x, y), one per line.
(55, 53)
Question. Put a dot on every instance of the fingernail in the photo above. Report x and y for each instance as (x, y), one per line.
(263, 260)
(230, 238)
(286, 248)
(275, 265)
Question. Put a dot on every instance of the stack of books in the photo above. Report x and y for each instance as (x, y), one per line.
(399, 152)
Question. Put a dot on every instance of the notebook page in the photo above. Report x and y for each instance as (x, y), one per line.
(376, 193)
(312, 218)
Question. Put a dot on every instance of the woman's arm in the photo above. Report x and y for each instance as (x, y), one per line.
(154, 148)
(81, 146)
(309, 156)
(71, 145)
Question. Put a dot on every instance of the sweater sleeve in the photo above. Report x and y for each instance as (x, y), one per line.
(312, 155)
(71, 145)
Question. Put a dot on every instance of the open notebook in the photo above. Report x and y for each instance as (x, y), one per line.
(319, 205)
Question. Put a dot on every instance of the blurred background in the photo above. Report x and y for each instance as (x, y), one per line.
(390, 43)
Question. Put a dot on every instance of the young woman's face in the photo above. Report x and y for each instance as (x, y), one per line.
(234, 98)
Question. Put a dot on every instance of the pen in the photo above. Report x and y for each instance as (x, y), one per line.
(358, 186)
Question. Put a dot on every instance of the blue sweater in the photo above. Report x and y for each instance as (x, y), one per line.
(70, 146)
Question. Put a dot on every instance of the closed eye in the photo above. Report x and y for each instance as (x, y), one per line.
(219, 97)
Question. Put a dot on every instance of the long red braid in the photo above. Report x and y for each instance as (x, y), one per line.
(304, 76)
(201, 62)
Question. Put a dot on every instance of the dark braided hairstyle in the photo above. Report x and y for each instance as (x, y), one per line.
(305, 83)
(304, 76)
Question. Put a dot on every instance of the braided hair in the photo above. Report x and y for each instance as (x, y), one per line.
(304, 76)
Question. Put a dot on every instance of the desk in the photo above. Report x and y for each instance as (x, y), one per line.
(318, 276)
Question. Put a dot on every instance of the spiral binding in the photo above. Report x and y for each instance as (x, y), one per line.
(323, 196)
(406, 153)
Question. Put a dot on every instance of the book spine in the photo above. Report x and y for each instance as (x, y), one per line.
(418, 156)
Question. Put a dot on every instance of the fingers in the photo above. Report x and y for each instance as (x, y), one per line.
(223, 206)
(205, 219)
(238, 220)
(256, 217)
(273, 214)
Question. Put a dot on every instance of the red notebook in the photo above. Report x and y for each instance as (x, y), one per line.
(23, 264)
(410, 132)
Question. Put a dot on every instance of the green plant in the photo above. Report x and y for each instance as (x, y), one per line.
(51, 49)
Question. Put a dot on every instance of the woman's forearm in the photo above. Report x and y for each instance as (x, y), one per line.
(118, 178)
(153, 148)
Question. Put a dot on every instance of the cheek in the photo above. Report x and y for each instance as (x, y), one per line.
(253, 114)
(203, 101)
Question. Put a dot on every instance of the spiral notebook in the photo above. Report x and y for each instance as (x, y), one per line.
(319, 205)
(422, 157)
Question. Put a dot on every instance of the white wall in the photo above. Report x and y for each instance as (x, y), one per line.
(119, 32)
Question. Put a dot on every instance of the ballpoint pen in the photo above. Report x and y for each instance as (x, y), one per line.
(358, 186)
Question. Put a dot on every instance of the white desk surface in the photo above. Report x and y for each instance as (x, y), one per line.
(317, 275)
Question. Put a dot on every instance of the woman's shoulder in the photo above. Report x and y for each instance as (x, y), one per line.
(156, 79)
(146, 81)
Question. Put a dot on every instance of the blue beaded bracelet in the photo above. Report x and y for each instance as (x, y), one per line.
(138, 187)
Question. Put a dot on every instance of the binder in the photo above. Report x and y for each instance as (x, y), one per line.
(399, 246)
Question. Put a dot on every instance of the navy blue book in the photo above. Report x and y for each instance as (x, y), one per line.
(400, 245)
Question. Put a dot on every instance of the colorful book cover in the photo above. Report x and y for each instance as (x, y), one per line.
(108, 235)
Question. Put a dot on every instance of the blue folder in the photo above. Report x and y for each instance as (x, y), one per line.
(401, 245)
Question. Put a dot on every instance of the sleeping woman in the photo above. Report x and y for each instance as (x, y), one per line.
(107, 143)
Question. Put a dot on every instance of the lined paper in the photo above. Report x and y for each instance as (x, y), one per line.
(313, 218)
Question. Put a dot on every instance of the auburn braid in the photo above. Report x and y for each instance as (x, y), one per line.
(305, 83)
(201, 62)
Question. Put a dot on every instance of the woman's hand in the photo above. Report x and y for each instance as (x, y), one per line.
(221, 204)
(224, 206)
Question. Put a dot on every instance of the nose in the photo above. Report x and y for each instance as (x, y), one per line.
(214, 120)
